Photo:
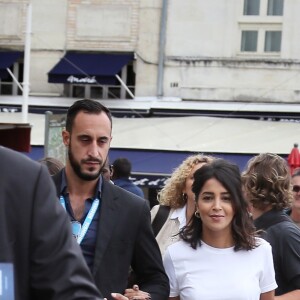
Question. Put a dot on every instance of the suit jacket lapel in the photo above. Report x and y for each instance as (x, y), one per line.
(108, 216)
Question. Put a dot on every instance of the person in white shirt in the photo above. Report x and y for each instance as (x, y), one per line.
(219, 256)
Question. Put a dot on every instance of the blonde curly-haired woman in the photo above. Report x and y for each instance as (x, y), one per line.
(178, 197)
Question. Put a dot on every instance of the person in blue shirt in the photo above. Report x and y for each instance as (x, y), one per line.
(121, 171)
(111, 225)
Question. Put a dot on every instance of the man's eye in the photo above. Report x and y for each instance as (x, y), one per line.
(104, 141)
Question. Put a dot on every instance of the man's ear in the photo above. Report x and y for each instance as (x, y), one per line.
(66, 137)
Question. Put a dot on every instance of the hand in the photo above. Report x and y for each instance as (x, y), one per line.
(136, 294)
(118, 296)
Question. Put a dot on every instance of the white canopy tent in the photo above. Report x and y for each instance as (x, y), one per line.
(195, 134)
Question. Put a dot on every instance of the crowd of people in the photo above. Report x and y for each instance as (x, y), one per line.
(83, 230)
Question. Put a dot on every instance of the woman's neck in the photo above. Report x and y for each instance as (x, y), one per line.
(219, 239)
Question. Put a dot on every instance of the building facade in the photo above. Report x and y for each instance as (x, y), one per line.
(195, 50)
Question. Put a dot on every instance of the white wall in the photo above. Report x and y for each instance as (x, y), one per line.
(200, 28)
(41, 63)
(147, 47)
(49, 25)
(48, 43)
(12, 21)
(291, 30)
(203, 59)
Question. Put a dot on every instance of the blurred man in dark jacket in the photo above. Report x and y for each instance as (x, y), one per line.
(39, 258)
(267, 186)
(121, 171)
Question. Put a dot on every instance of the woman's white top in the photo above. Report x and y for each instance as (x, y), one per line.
(209, 273)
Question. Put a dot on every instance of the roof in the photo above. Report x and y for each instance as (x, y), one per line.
(195, 134)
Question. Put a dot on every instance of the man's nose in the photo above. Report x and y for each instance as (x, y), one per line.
(93, 149)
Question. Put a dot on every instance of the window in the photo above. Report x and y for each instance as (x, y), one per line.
(261, 27)
(99, 91)
(78, 91)
(272, 41)
(96, 92)
(275, 8)
(251, 7)
(8, 86)
(249, 41)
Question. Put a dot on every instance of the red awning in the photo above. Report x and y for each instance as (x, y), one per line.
(15, 136)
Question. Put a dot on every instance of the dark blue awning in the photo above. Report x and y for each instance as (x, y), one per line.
(88, 68)
(7, 59)
(151, 168)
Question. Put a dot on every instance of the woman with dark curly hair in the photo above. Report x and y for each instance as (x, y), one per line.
(220, 257)
(267, 186)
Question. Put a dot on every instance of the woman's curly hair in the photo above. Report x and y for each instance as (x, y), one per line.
(267, 181)
(171, 193)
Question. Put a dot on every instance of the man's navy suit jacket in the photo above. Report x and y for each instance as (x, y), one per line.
(125, 238)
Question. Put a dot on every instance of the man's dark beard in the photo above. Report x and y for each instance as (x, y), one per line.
(76, 167)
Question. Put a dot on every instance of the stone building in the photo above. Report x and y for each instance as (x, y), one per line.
(195, 50)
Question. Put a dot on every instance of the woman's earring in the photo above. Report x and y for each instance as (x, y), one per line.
(197, 215)
(184, 197)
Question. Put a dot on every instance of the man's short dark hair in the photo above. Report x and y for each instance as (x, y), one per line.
(121, 168)
(88, 106)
